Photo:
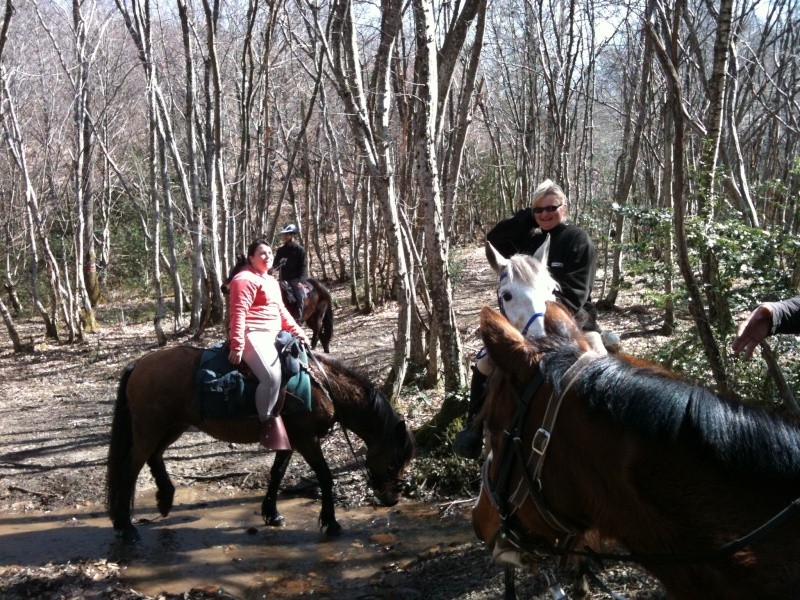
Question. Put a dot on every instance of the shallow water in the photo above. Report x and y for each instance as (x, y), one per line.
(221, 542)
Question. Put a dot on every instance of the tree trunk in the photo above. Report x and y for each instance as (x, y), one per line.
(436, 252)
(696, 306)
(12, 330)
(627, 160)
(373, 135)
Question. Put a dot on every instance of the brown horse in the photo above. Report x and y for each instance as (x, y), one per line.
(684, 480)
(155, 406)
(317, 311)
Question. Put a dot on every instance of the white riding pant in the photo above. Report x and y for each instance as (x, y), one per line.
(261, 356)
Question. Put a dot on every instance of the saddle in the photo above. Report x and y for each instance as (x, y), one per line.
(223, 390)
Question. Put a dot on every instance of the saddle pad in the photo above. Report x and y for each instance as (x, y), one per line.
(298, 390)
(221, 391)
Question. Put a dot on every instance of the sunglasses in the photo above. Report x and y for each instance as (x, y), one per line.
(540, 209)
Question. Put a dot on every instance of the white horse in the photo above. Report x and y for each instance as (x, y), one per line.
(524, 288)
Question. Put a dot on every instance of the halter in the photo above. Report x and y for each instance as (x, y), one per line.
(530, 485)
(537, 314)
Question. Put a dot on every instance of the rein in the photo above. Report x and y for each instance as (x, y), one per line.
(512, 449)
(325, 387)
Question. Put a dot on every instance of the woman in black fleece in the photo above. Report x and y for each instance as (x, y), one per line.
(571, 260)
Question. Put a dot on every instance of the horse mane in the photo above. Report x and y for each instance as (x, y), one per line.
(374, 398)
(659, 406)
(526, 269)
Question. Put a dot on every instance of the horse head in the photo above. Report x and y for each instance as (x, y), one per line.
(525, 286)
(386, 463)
(586, 446)
(505, 488)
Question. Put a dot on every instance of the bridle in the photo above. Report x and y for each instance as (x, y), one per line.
(530, 486)
(532, 320)
(505, 501)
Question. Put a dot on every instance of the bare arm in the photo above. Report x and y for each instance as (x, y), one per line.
(753, 331)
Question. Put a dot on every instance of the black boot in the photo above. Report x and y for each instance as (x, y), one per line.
(469, 441)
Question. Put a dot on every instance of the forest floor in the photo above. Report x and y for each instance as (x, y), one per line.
(56, 406)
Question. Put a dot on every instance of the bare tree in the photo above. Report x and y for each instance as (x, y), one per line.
(38, 234)
(668, 55)
(372, 132)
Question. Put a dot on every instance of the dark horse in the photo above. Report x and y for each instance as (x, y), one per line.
(155, 406)
(317, 312)
(626, 451)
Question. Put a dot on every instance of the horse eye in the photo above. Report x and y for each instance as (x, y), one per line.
(507, 296)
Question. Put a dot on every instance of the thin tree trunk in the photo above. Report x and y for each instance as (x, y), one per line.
(628, 160)
(696, 306)
(373, 135)
(37, 233)
(426, 76)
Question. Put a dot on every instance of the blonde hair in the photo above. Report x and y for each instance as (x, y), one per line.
(548, 188)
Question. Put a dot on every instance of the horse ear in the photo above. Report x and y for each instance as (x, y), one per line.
(543, 251)
(496, 260)
(507, 347)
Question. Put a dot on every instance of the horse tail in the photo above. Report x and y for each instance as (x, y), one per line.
(119, 498)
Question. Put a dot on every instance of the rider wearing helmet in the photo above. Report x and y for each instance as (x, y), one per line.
(290, 258)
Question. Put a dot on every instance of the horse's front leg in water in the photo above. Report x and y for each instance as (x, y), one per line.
(327, 516)
(269, 506)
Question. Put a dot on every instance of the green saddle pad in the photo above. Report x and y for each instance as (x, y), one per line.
(298, 390)
(221, 391)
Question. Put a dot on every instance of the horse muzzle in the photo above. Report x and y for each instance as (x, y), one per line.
(391, 491)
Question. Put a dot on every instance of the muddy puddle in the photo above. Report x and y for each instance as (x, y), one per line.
(221, 543)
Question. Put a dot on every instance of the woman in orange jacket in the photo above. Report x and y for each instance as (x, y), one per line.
(257, 315)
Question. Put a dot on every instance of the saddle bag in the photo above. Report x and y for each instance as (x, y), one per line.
(221, 390)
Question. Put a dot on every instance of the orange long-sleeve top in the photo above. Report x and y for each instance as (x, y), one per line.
(256, 304)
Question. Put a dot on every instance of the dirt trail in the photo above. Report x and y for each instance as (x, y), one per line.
(55, 415)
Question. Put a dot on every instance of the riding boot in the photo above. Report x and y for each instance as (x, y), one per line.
(301, 307)
(273, 434)
(469, 441)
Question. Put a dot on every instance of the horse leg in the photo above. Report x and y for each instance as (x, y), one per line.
(269, 506)
(510, 592)
(165, 492)
(314, 324)
(121, 516)
(312, 453)
(580, 586)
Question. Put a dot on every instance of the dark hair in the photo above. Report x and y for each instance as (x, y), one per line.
(251, 249)
(241, 262)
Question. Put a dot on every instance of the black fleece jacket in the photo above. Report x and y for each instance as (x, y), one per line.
(571, 260)
(295, 266)
(786, 315)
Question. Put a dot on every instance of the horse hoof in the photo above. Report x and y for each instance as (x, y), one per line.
(275, 521)
(128, 534)
(164, 500)
(332, 530)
